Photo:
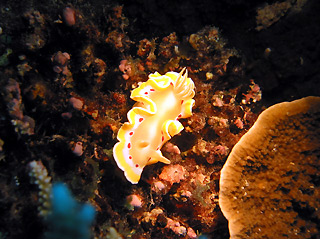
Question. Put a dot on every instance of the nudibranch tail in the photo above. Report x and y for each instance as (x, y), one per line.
(153, 120)
(156, 156)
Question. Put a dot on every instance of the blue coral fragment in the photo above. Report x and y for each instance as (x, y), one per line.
(68, 219)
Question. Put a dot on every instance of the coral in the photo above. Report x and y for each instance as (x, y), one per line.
(68, 219)
(99, 69)
(151, 217)
(207, 41)
(113, 234)
(200, 43)
(269, 184)
(197, 122)
(116, 37)
(157, 216)
(39, 176)
(210, 150)
(23, 123)
(167, 45)
(270, 14)
(23, 68)
(191, 190)
(4, 57)
(35, 37)
(118, 40)
(60, 62)
(14, 99)
(146, 49)
(117, 18)
(253, 95)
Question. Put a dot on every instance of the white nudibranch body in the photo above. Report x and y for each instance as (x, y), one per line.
(153, 120)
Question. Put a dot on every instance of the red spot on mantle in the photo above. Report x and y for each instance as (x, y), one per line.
(140, 120)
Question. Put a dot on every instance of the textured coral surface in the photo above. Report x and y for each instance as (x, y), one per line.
(269, 186)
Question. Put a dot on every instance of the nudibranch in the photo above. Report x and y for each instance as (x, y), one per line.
(153, 120)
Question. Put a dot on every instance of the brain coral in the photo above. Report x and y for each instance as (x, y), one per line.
(270, 184)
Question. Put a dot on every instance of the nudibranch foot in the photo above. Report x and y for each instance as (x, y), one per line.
(153, 120)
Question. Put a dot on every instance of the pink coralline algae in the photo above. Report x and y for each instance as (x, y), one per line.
(191, 233)
(69, 16)
(76, 103)
(171, 148)
(66, 115)
(238, 122)
(253, 95)
(134, 201)
(158, 186)
(125, 68)
(78, 149)
(179, 229)
(176, 227)
(172, 151)
(60, 61)
(173, 173)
